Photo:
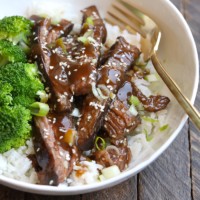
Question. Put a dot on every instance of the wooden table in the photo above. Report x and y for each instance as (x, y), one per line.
(173, 176)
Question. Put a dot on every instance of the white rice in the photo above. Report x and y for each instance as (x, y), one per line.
(16, 165)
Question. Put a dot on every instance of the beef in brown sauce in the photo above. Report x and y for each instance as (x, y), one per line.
(73, 68)
(110, 74)
(119, 155)
(119, 121)
(50, 63)
(152, 103)
(86, 55)
(55, 158)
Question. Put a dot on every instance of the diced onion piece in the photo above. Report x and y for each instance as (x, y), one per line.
(75, 113)
(111, 171)
(101, 94)
(100, 143)
(111, 148)
(70, 136)
(95, 92)
(104, 88)
(39, 109)
(151, 77)
(102, 178)
(133, 110)
(43, 96)
(134, 100)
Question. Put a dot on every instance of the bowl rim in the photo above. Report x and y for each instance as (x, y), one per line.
(49, 190)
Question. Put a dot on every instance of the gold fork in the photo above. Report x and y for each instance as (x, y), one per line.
(125, 14)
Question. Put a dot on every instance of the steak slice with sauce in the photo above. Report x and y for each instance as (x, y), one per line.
(87, 53)
(54, 157)
(114, 155)
(110, 75)
(50, 63)
(118, 121)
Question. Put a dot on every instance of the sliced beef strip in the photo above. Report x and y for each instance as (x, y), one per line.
(111, 73)
(152, 103)
(118, 121)
(51, 64)
(54, 157)
(114, 155)
(86, 56)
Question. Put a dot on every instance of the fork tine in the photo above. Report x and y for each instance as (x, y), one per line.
(109, 18)
(127, 12)
(117, 14)
(130, 3)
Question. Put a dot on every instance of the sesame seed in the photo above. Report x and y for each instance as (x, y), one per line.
(50, 182)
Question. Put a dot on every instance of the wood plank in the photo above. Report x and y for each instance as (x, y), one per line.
(46, 197)
(169, 176)
(192, 15)
(123, 191)
(10, 194)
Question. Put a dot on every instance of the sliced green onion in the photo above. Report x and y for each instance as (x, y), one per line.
(83, 39)
(111, 171)
(39, 109)
(134, 100)
(151, 77)
(149, 119)
(133, 110)
(101, 178)
(60, 43)
(89, 33)
(100, 143)
(43, 96)
(148, 137)
(89, 21)
(163, 128)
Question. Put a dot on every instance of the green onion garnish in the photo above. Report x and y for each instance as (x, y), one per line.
(134, 100)
(163, 128)
(39, 109)
(100, 143)
(149, 119)
(89, 21)
(148, 137)
(43, 96)
(83, 39)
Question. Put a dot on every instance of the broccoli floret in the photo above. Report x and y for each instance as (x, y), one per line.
(23, 77)
(16, 29)
(14, 127)
(10, 53)
(5, 94)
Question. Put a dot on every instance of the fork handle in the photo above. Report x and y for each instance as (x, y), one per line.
(183, 100)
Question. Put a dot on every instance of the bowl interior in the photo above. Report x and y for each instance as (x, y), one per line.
(177, 53)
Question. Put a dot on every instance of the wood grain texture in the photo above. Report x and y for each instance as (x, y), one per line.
(192, 16)
(169, 176)
(123, 191)
(10, 194)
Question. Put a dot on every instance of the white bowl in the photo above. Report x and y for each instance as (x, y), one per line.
(177, 52)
